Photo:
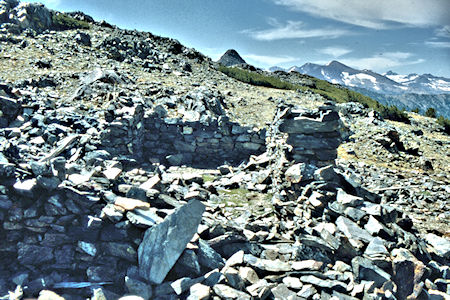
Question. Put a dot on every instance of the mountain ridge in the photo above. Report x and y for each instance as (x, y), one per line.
(388, 83)
(412, 91)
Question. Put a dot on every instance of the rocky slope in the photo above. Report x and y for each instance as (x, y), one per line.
(130, 166)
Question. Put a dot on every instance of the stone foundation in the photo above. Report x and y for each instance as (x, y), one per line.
(203, 144)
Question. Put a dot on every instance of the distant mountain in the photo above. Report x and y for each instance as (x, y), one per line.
(405, 91)
(410, 101)
(390, 83)
(427, 83)
(276, 68)
(231, 58)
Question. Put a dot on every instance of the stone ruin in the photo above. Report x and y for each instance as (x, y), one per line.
(101, 216)
(89, 207)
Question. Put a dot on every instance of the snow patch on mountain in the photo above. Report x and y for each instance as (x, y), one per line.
(389, 83)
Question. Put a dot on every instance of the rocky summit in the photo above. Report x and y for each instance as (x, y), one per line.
(131, 167)
(231, 58)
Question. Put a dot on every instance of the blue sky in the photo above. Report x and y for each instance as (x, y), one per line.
(407, 36)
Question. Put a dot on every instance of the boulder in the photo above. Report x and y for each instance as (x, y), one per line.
(34, 16)
(164, 243)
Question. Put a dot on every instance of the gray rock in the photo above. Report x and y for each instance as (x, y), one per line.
(144, 217)
(365, 269)
(6, 168)
(441, 245)
(307, 291)
(226, 292)
(231, 58)
(26, 187)
(9, 109)
(88, 248)
(233, 279)
(293, 282)
(83, 39)
(183, 284)
(96, 157)
(175, 159)
(281, 291)
(199, 292)
(299, 172)
(248, 275)
(355, 214)
(163, 244)
(40, 168)
(352, 230)
(58, 165)
(48, 183)
(34, 16)
(266, 264)
(324, 283)
(5, 202)
(326, 174)
(34, 255)
(347, 199)
(305, 125)
(138, 288)
(376, 249)
(101, 273)
(187, 265)
(122, 250)
(408, 271)
(106, 76)
(208, 257)
(373, 226)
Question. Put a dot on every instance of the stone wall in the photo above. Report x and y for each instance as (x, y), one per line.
(206, 143)
(57, 236)
(313, 135)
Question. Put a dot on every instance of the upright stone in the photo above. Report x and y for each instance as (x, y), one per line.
(163, 244)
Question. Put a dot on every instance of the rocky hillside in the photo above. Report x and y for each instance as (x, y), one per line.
(129, 165)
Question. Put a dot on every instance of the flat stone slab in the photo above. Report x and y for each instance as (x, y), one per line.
(304, 125)
(164, 243)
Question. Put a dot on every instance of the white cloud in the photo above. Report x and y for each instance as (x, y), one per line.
(268, 60)
(377, 14)
(438, 44)
(294, 30)
(444, 31)
(335, 51)
(383, 61)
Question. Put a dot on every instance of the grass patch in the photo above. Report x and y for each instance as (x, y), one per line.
(254, 202)
(208, 177)
(256, 78)
(327, 90)
(62, 21)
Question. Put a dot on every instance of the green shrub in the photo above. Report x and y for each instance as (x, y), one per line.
(431, 113)
(62, 21)
(392, 112)
(445, 123)
(256, 78)
(415, 110)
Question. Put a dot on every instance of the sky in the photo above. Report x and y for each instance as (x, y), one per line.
(406, 36)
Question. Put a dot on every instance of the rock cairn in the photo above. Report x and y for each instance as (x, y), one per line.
(314, 136)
